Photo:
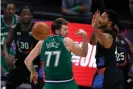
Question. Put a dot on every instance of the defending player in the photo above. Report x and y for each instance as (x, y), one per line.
(24, 42)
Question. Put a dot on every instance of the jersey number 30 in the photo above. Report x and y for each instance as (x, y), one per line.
(50, 54)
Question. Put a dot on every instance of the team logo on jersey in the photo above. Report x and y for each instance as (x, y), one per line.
(122, 42)
(53, 39)
(4, 33)
(18, 33)
(3, 28)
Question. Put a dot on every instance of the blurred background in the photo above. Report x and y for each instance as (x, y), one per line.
(44, 8)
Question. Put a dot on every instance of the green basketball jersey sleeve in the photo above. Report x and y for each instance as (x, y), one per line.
(4, 32)
(5, 28)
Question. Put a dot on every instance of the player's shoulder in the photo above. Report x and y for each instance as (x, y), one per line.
(68, 43)
(2, 19)
(15, 28)
(122, 38)
(1, 16)
(128, 41)
(67, 40)
(108, 35)
(39, 44)
(17, 18)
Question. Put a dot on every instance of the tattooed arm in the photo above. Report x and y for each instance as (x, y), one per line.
(104, 39)
(93, 39)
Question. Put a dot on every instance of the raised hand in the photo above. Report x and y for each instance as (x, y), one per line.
(81, 32)
(95, 18)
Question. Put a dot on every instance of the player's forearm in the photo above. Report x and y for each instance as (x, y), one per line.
(131, 50)
(93, 39)
(100, 36)
(131, 53)
(9, 40)
(6, 48)
(31, 57)
(85, 44)
(30, 66)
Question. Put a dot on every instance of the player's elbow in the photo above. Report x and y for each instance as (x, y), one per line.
(26, 61)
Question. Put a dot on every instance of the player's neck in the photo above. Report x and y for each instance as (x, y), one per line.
(26, 27)
(8, 20)
(55, 35)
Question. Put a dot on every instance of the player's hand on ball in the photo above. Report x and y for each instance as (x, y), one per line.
(81, 32)
(34, 77)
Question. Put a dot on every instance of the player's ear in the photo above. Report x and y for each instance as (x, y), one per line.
(57, 31)
(110, 23)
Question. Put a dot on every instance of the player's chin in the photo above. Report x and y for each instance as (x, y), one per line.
(10, 16)
(25, 21)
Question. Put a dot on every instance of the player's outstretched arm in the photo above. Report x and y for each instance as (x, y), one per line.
(104, 39)
(93, 40)
(33, 54)
(8, 41)
(76, 49)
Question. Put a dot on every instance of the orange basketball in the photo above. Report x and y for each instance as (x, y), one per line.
(40, 31)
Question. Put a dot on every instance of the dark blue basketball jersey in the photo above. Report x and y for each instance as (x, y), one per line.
(24, 42)
(104, 56)
(122, 55)
(121, 51)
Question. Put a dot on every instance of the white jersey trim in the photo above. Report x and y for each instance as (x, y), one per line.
(60, 81)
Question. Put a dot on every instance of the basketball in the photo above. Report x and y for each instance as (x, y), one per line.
(40, 31)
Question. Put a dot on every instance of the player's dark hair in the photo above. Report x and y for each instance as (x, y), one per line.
(57, 24)
(5, 5)
(27, 7)
(114, 17)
